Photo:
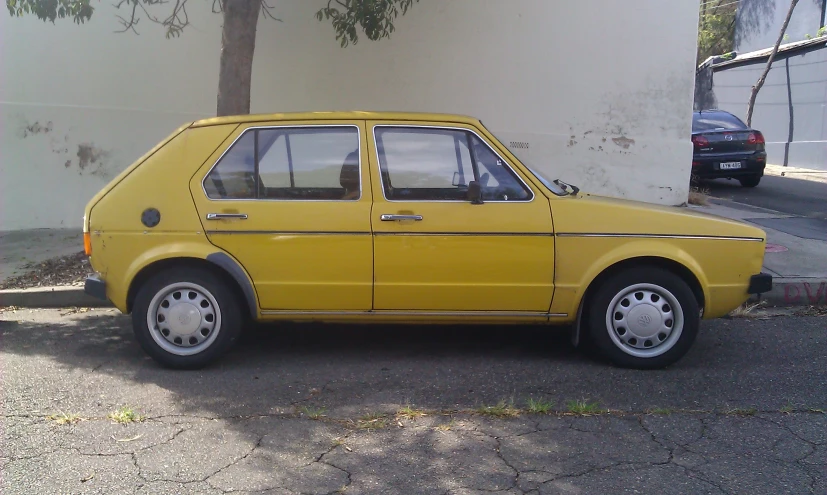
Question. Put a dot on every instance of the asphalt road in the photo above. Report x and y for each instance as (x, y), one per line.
(791, 195)
(742, 413)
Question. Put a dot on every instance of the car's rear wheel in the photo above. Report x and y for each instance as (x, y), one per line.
(643, 318)
(186, 318)
(750, 180)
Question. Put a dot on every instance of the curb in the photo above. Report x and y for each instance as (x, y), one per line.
(50, 297)
(790, 292)
(786, 292)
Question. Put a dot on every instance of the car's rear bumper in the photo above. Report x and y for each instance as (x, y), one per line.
(95, 287)
(759, 284)
(709, 166)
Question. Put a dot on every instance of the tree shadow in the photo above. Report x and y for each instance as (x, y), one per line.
(89, 363)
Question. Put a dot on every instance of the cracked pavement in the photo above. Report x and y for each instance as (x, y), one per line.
(741, 414)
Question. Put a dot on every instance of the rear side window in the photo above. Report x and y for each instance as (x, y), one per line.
(716, 121)
(313, 163)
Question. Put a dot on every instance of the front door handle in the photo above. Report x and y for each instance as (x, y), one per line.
(225, 216)
(398, 218)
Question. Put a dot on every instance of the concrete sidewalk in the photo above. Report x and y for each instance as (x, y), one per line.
(796, 254)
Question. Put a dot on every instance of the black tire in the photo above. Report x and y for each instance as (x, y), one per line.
(675, 345)
(750, 180)
(227, 317)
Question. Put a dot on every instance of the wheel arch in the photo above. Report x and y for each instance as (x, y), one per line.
(219, 263)
(670, 265)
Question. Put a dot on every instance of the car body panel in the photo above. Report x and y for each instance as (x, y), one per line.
(120, 241)
(301, 255)
(461, 256)
(496, 262)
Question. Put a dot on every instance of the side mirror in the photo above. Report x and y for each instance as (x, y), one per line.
(474, 193)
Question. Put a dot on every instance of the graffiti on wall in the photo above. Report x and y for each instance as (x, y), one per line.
(804, 292)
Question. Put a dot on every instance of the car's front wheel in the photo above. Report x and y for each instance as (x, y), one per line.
(643, 318)
(186, 318)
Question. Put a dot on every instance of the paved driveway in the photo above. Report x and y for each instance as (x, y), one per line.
(740, 414)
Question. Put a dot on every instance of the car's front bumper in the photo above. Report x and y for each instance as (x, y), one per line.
(759, 284)
(95, 287)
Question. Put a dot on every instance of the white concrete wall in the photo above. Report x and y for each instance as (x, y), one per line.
(808, 84)
(760, 21)
(601, 90)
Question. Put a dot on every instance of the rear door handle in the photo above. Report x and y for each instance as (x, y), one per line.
(399, 218)
(225, 216)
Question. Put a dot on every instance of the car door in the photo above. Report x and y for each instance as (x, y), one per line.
(291, 202)
(437, 251)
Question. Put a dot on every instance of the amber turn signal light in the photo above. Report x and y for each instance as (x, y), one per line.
(87, 243)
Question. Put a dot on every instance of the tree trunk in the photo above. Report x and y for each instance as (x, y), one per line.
(238, 43)
(760, 83)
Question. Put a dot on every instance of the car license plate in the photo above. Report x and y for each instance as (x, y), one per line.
(730, 165)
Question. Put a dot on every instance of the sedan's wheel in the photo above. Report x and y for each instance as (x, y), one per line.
(750, 180)
(643, 318)
(186, 318)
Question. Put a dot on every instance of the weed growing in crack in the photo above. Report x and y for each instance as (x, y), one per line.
(62, 418)
(583, 408)
(446, 426)
(741, 411)
(312, 412)
(372, 421)
(789, 408)
(660, 411)
(539, 406)
(814, 410)
(408, 412)
(125, 415)
(501, 410)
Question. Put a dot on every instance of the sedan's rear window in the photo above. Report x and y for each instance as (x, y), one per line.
(713, 121)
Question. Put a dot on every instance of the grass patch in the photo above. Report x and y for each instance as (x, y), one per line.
(539, 406)
(312, 412)
(372, 421)
(789, 408)
(659, 411)
(746, 310)
(125, 415)
(446, 426)
(583, 408)
(62, 418)
(408, 412)
(501, 410)
(740, 411)
(698, 197)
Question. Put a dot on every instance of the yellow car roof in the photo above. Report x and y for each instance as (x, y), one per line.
(351, 115)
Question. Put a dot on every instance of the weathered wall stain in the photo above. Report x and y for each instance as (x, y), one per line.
(36, 128)
(93, 158)
(624, 142)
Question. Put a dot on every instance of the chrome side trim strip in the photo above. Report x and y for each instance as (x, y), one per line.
(279, 232)
(663, 236)
(501, 314)
(466, 234)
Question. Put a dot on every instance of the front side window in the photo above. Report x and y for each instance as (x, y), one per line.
(431, 164)
(313, 163)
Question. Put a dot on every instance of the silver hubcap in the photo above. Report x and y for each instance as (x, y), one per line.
(184, 318)
(644, 320)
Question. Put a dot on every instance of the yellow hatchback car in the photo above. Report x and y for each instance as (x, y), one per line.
(397, 218)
